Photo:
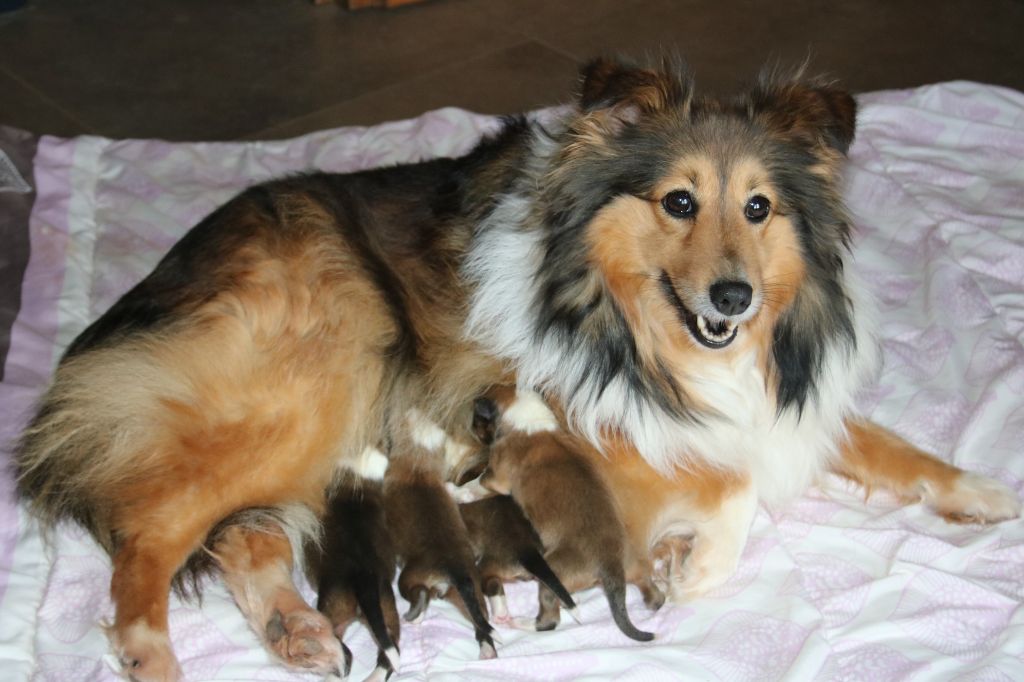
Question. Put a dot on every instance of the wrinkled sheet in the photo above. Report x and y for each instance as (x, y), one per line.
(828, 588)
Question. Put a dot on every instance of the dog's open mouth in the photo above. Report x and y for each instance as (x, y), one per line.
(711, 334)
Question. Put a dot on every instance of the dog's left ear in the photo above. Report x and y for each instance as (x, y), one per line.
(623, 93)
(819, 114)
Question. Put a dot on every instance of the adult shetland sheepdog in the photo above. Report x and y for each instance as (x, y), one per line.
(667, 268)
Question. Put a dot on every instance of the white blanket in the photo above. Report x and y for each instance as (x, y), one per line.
(829, 588)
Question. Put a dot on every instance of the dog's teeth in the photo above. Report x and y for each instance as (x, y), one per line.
(727, 328)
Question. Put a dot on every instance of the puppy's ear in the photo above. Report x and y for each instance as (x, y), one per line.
(485, 420)
(622, 93)
(815, 112)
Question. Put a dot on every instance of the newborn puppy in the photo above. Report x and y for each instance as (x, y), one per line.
(355, 564)
(429, 535)
(563, 497)
(507, 548)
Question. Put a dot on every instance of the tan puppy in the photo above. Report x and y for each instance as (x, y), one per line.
(566, 501)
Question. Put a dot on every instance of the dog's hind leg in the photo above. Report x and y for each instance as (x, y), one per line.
(878, 458)
(144, 564)
(257, 563)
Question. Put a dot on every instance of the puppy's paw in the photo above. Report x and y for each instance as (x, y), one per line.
(974, 499)
(145, 654)
(304, 638)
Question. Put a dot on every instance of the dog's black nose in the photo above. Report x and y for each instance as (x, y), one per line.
(731, 298)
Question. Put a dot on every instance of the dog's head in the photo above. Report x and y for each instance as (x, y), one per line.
(681, 230)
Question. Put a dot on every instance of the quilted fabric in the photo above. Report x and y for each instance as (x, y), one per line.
(829, 588)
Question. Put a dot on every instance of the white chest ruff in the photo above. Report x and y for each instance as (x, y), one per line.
(783, 454)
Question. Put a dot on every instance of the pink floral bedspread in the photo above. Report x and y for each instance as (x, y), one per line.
(830, 588)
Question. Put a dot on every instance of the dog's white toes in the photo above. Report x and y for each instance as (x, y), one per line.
(974, 499)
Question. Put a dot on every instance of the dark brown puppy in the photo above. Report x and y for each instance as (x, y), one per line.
(566, 501)
(429, 536)
(507, 548)
(354, 565)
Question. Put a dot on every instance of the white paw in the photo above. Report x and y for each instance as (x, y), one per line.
(710, 565)
(975, 499)
(144, 654)
(717, 545)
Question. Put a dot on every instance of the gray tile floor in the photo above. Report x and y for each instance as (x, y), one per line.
(247, 69)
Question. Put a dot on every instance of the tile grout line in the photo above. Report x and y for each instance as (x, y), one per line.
(553, 48)
(90, 129)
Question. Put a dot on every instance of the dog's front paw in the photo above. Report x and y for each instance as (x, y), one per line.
(974, 499)
(711, 563)
(716, 547)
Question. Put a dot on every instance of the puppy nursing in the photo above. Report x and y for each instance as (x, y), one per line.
(429, 535)
(568, 504)
(354, 565)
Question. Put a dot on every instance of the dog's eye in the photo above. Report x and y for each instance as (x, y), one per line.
(679, 204)
(757, 208)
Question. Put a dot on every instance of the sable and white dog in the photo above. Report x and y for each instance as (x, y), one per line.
(668, 268)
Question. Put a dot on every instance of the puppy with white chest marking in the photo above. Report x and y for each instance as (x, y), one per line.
(566, 501)
(429, 535)
(354, 564)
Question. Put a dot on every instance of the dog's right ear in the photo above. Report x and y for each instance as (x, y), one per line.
(625, 92)
(485, 420)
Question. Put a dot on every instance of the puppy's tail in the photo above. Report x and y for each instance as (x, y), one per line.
(613, 581)
(368, 595)
(534, 562)
(472, 598)
(419, 599)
